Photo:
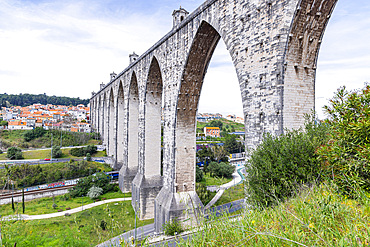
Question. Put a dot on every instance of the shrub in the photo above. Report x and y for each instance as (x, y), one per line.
(198, 174)
(222, 169)
(83, 185)
(33, 134)
(280, 164)
(1, 151)
(88, 157)
(346, 157)
(55, 206)
(79, 152)
(103, 225)
(172, 228)
(94, 192)
(56, 152)
(14, 153)
(204, 195)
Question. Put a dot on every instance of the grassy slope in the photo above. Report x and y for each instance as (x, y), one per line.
(208, 180)
(42, 154)
(317, 217)
(14, 138)
(80, 229)
(44, 205)
(236, 126)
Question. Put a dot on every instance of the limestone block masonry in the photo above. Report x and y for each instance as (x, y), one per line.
(274, 46)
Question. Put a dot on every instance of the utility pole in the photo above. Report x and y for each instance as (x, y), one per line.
(51, 147)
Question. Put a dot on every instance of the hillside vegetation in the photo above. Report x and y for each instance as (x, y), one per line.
(25, 139)
(7, 100)
(307, 187)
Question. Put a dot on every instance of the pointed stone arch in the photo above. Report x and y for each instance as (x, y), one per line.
(200, 54)
(111, 126)
(120, 121)
(148, 180)
(128, 172)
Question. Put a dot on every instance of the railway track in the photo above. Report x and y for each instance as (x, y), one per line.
(16, 194)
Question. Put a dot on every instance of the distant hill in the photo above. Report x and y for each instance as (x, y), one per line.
(29, 99)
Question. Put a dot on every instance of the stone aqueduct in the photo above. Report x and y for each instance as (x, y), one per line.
(274, 47)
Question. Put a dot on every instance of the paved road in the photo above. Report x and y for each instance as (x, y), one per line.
(58, 214)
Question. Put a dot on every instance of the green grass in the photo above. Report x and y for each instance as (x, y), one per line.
(42, 154)
(80, 229)
(319, 216)
(208, 180)
(232, 194)
(44, 205)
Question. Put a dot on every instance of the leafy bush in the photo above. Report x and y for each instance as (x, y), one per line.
(281, 164)
(204, 195)
(94, 192)
(83, 185)
(172, 228)
(222, 169)
(198, 174)
(56, 152)
(14, 153)
(232, 145)
(346, 157)
(88, 157)
(79, 152)
(34, 133)
(1, 151)
(103, 225)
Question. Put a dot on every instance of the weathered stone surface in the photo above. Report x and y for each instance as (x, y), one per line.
(274, 46)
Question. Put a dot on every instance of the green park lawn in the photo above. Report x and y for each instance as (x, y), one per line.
(208, 180)
(80, 229)
(42, 154)
(45, 205)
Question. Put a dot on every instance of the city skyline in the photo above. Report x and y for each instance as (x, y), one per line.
(67, 48)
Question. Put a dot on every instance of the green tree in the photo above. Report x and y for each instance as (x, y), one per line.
(232, 145)
(4, 123)
(198, 174)
(56, 152)
(346, 157)
(215, 123)
(14, 153)
(222, 169)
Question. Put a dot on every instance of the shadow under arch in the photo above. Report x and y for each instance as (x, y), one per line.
(148, 181)
(120, 118)
(199, 57)
(111, 126)
(129, 170)
(153, 117)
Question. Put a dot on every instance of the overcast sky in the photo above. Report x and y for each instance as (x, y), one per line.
(68, 47)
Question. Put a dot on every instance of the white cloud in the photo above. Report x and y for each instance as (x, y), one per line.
(69, 47)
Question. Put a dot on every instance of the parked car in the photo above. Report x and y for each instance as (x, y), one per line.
(47, 159)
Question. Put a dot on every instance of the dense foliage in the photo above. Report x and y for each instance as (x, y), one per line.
(281, 164)
(14, 153)
(29, 135)
(222, 169)
(7, 100)
(173, 228)
(94, 192)
(39, 138)
(198, 174)
(56, 152)
(83, 186)
(346, 157)
(79, 152)
(30, 175)
(232, 145)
